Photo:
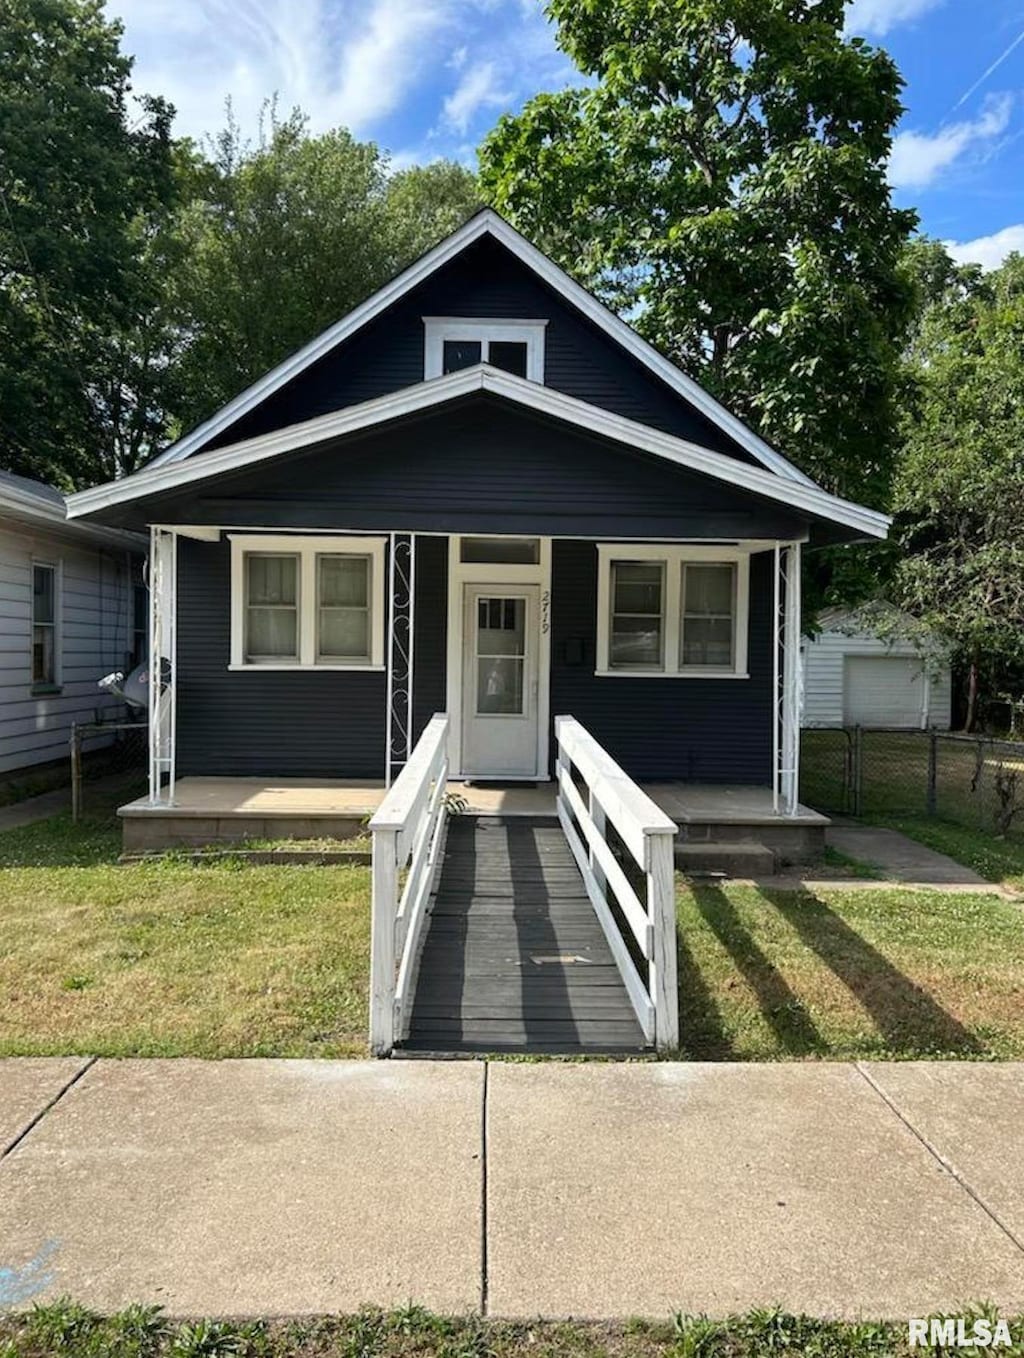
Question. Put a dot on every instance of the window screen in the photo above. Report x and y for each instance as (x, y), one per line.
(708, 623)
(343, 607)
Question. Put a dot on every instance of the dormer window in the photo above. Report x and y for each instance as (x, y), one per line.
(454, 342)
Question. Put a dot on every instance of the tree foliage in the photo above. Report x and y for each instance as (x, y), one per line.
(277, 242)
(79, 190)
(959, 494)
(722, 182)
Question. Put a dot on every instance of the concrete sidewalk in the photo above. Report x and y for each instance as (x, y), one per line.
(290, 1187)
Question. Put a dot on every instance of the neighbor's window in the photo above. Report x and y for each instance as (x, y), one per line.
(306, 602)
(675, 611)
(453, 343)
(44, 626)
(709, 614)
(140, 624)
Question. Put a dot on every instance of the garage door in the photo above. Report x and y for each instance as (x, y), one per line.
(883, 690)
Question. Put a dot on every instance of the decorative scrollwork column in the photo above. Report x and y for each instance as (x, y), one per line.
(400, 640)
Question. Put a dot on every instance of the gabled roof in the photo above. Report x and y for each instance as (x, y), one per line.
(800, 496)
(38, 503)
(485, 223)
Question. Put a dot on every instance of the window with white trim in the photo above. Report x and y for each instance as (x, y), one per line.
(672, 611)
(307, 603)
(453, 342)
(45, 627)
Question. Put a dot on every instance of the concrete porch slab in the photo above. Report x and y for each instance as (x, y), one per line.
(644, 1189)
(28, 1085)
(252, 1187)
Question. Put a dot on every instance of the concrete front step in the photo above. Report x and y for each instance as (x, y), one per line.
(735, 858)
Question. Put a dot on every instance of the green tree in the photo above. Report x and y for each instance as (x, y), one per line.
(279, 241)
(81, 186)
(959, 493)
(722, 181)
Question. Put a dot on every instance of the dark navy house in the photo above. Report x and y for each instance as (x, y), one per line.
(480, 494)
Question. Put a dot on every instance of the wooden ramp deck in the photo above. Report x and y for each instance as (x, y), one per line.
(514, 958)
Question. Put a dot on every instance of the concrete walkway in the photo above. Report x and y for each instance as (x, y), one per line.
(901, 859)
(33, 809)
(290, 1187)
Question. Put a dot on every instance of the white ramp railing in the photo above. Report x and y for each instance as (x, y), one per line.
(647, 834)
(408, 831)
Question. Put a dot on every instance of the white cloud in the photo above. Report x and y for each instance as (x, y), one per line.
(478, 89)
(918, 158)
(425, 74)
(875, 18)
(342, 61)
(988, 251)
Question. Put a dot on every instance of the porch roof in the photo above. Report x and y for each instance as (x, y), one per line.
(137, 498)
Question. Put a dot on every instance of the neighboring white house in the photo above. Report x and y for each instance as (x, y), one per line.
(72, 608)
(867, 668)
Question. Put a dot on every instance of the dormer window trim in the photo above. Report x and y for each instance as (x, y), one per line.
(439, 330)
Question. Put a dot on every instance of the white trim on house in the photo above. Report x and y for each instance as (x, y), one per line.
(485, 223)
(462, 573)
(801, 497)
(307, 549)
(674, 559)
(438, 329)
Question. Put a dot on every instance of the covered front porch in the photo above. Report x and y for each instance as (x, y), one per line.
(209, 810)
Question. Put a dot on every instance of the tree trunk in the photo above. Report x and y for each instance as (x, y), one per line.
(972, 695)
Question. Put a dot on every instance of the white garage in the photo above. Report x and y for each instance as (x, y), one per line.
(857, 674)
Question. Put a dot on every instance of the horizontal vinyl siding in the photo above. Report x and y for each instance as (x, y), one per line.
(329, 725)
(485, 281)
(94, 638)
(698, 730)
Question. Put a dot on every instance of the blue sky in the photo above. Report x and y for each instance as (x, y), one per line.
(428, 77)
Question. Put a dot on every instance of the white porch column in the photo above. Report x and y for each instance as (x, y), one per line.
(163, 607)
(792, 678)
(400, 639)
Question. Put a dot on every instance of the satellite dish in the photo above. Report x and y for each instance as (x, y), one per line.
(134, 688)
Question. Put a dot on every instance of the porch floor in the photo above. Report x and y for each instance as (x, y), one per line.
(303, 798)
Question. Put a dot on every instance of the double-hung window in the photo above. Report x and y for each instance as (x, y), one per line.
(307, 603)
(672, 611)
(453, 342)
(45, 632)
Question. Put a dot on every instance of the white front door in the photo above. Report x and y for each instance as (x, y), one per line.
(500, 672)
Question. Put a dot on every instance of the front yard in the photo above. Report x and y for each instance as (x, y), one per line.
(844, 973)
(168, 958)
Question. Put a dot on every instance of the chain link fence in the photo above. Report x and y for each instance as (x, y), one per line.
(109, 764)
(976, 781)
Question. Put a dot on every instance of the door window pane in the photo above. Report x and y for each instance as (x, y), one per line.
(272, 611)
(461, 354)
(637, 624)
(44, 625)
(501, 656)
(343, 587)
(708, 620)
(509, 355)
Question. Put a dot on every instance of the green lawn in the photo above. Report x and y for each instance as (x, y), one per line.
(876, 973)
(167, 959)
(140, 1333)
